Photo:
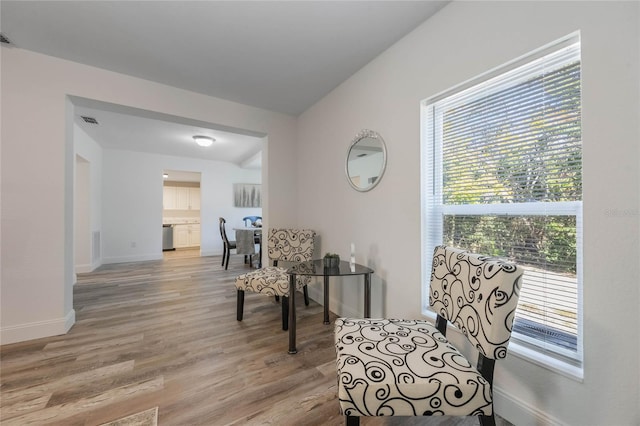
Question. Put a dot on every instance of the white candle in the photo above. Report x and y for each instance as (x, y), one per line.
(352, 259)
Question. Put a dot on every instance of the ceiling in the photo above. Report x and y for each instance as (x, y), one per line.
(131, 129)
(278, 55)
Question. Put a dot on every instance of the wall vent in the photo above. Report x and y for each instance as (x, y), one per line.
(4, 39)
(89, 120)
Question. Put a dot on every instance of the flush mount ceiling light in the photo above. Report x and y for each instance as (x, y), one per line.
(204, 140)
(165, 175)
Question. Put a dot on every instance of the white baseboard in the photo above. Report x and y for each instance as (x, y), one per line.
(37, 330)
(519, 412)
(126, 259)
(316, 293)
(83, 269)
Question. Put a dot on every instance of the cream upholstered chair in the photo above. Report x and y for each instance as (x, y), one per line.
(283, 245)
(389, 367)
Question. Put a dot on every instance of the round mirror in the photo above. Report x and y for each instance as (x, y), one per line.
(366, 160)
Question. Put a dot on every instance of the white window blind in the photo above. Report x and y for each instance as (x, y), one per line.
(502, 176)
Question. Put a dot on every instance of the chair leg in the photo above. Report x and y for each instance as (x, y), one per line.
(352, 421)
(277, 298)
(224, 254)
(488, 420)
(306, 295)
(285, 313)
(240, 309)
(226, 265)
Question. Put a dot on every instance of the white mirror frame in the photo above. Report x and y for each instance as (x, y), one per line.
(360, 136)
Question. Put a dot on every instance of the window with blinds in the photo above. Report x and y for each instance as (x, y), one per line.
(502, 176)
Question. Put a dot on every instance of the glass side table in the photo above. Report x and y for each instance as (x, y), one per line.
(316, 268)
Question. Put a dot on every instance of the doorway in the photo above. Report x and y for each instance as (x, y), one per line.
(181, 201)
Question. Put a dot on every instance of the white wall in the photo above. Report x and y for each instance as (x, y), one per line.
(82, 215)
(90, 152)
(37, 175)
(463, 40)
(132, 202)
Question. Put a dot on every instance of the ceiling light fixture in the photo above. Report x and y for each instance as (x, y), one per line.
(165, 175)
(204, 140)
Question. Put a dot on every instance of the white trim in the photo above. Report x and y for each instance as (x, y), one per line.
(83, 269)
(525, 59)
(518, 411)
(70, 320)
(316, 293)
(95, 265)
(126, 259)
(546, 361)
(37, 330)
(554, 54)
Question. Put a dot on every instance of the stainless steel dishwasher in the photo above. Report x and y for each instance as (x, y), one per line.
(167, 237)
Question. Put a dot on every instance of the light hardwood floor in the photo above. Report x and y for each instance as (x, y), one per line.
(164, 333)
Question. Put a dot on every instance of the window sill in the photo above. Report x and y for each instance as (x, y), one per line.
(525, 353)
(546, 362)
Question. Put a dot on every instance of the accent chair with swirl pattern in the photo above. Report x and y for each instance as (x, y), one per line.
(391, 367)
(283, 245)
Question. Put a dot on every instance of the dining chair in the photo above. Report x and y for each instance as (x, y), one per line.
(283, 245)
(250, 220)
(228, 245)
(393, 367)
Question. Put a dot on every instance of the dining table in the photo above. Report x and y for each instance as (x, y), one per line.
(255, 233)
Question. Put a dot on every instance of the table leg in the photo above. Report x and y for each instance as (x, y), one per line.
(292, 314)
(326, 299)
(367, 295)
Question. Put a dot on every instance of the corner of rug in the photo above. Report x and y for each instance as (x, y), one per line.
(144, 418)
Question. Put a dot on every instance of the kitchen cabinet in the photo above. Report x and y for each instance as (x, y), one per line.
(187, 198)
(186, 235)
(194, 235)
(169, 197)
(180, 236)
(194, 198)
